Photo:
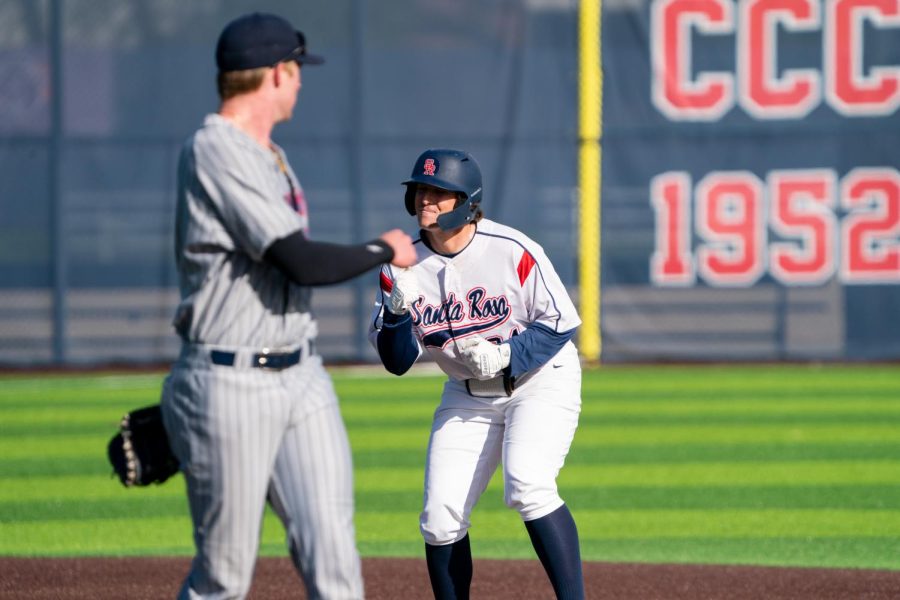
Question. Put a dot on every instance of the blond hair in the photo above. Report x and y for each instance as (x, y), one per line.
(235, 83)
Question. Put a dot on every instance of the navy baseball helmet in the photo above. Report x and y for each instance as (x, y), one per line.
(451, 170)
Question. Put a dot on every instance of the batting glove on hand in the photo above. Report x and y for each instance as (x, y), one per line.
(404, 292)
(483, 358)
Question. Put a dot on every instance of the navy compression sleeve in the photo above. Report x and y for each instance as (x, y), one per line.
(306, 262)
(396, 344)
(534, 347)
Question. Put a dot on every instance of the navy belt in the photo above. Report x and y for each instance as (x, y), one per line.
(263, 360)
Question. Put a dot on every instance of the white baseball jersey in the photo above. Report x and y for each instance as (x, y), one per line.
(496, 287)
(500, 285)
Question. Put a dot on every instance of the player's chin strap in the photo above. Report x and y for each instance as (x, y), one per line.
(462, 214)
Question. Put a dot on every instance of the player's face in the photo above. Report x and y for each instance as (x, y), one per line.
(431, 202)
(289, 83)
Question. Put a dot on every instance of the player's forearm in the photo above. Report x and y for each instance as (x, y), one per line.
(396, 343)
(535, 346)
(307, 262)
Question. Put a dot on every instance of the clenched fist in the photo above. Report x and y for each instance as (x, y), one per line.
(402, 245)
(404, 292)
(483, 358)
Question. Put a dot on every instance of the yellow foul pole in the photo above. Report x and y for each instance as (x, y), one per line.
(590, 124)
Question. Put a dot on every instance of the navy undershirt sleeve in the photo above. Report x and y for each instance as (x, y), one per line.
(306, 262)
(533, 347)
(396, 343)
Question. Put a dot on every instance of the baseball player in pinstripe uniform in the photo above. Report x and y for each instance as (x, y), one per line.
(249, 409)
(484, 302)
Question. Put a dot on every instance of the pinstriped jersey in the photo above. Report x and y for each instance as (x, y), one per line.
(498, 285)
(236, 197)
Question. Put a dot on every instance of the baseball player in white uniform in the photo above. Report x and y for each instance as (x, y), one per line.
(249, 410)
(484, 302)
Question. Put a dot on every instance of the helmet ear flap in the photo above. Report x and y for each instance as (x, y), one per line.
(410, 199)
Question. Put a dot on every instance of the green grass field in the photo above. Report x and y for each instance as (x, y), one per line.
(765, 465)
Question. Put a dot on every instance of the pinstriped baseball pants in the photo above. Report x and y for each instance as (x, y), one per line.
(247, 436)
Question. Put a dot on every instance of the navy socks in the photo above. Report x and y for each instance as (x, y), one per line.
(450, 569)
(555, 539)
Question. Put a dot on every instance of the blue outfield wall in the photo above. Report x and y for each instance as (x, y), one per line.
(750, 200)
(751, 193)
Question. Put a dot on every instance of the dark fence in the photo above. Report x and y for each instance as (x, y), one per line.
(751, 193)
(97, 97)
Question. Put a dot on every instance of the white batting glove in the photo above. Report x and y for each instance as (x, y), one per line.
(404, 292)
(483, 358)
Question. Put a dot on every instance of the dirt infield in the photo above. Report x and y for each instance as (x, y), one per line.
(406, 579)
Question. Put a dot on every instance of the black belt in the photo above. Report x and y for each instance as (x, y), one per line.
(263, 360)
(495, 387)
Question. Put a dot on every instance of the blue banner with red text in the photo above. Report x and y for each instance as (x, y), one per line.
(751, 190)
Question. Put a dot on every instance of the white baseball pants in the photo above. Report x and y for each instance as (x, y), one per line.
(530, 432)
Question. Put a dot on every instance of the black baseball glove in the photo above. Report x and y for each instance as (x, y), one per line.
(140, 452)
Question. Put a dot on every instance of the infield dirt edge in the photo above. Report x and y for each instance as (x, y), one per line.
(406, 578)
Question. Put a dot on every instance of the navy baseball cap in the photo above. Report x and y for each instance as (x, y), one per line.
(261, 40)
